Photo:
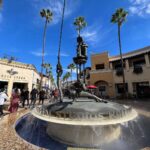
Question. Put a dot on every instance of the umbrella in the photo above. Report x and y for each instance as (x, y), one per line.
(91, 87)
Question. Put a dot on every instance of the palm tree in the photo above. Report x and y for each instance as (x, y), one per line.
(71, 67)
(66, 77)
(48, 69)
(80, 23)
(48, 15)
(119, 18)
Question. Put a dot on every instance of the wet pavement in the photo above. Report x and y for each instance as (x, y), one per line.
(9, 140)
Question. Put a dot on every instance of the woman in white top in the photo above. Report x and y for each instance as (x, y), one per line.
(3, 97)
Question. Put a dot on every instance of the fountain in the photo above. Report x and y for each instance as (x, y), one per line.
(85, 120)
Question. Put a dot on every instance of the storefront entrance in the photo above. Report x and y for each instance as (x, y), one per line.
(3, 85)
(20, 86)
(142, 89)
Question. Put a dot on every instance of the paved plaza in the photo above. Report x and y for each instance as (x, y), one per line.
(9, 140)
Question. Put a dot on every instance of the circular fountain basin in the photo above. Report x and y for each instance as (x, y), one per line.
(84, 123)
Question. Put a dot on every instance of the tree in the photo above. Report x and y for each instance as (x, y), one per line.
(47, 67)
(80, 23)
(119, 18)
(48, 70)
(71, 67)
(66, 77)
(48, 15)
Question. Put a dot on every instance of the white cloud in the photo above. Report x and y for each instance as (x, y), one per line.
(56, 7)
(37, 53)
(63, 54)
(140, 7)
(69, 70)
(95, 35)
(90, 34)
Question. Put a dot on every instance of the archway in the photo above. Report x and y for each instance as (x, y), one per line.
(102, 88)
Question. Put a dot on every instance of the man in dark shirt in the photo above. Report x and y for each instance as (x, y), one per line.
(25, 96)
(34, 93)
(41, 96)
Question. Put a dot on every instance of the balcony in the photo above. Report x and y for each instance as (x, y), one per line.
(137, 69)
(101, 71)
(119, 72)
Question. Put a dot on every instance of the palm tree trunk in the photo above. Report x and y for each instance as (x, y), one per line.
(79, 32)
(43, 51)
(123, 75)
(84, 73)
(58, 57)
(77, 72)
(71, 75)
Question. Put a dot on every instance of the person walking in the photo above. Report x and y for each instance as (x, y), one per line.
(14, 101)
(41, 96)
(25, 96)
(3, 97)
(56, 94)
(34, 93)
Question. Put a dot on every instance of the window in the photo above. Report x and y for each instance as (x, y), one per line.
(119, 87)
(139, 62)
(102, 88)
(99, 66)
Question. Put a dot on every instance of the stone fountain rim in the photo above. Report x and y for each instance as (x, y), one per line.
(50, 119)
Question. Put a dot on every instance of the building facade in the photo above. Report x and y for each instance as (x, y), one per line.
(106, 73)
(19, 75)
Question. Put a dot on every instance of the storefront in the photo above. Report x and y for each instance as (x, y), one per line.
(17, 75)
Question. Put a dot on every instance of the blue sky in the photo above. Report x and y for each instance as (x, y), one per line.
(21, 28)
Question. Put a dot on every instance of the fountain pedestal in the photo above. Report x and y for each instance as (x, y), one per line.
(84, 123)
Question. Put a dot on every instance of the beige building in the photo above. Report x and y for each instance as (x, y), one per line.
(106, 73)
(19, 75)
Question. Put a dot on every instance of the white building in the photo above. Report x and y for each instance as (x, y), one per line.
(19, 75)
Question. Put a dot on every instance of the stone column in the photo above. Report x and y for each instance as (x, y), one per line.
(127, 64)
(30, 86)
(111, 66)
(130, 87)
(10, 86)
(147, 60)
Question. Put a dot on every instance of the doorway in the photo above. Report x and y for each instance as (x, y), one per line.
(3, 85)
(20, 86)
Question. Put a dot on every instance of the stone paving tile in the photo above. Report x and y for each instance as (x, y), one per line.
(9, 140)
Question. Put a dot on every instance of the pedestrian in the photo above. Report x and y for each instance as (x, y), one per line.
(41, 96)
(34, 94)
(25, 96)
(56, 94)
(3, 97)
(14, 101)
